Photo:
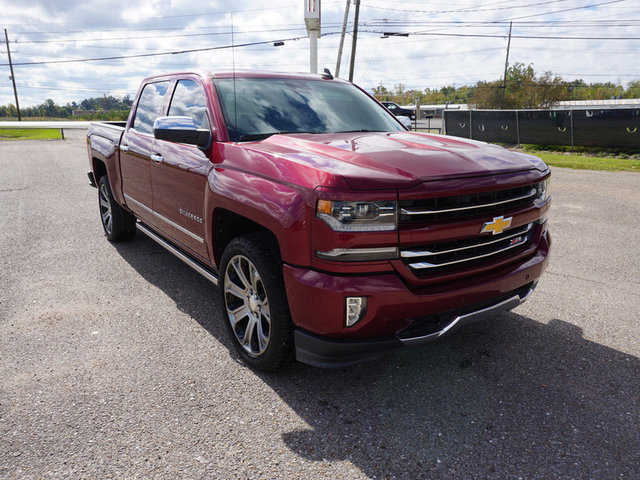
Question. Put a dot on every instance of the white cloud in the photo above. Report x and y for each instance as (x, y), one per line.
(104, 28)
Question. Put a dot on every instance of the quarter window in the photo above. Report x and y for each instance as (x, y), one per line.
(149, 106)
(188, 101)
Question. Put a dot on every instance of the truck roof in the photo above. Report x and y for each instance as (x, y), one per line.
(247, 74)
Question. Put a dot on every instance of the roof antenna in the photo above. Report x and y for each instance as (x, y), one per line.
(326, 73)
(233, 62)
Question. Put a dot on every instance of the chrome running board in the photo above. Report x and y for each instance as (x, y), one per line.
(202, 270)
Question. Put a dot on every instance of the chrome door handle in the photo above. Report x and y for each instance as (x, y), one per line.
(156, 158)
(124, 148)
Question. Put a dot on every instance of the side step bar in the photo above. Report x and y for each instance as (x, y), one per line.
(197, 266)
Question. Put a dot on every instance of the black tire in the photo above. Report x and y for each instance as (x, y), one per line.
(253, 302)
(119, 225)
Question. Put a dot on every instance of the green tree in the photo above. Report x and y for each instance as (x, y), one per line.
(523, 90)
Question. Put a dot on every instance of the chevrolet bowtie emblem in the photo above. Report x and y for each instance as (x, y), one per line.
(497, 225)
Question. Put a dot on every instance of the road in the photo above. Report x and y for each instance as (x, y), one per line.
(114, 365)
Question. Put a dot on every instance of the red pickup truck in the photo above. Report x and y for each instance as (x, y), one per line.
(333, 234)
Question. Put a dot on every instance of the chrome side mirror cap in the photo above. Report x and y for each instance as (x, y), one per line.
(182, 130)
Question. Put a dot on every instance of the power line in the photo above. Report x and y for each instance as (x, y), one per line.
(481, 35)
(112, 39)
(466, 10)
(176, 52)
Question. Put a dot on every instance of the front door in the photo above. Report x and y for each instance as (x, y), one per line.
(137, 147)
(179, 178)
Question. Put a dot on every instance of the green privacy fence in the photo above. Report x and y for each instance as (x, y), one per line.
(611, 127)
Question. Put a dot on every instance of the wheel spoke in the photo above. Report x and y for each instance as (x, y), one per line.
(238, 269)
(238, 314)
(106, 219)
(255, 278)
(263, 339)
(234, 289)
(248, 333)
(104, 203)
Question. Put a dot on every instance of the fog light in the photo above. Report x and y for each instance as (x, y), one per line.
(356, 309)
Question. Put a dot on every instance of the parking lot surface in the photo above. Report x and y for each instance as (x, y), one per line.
(113, 363)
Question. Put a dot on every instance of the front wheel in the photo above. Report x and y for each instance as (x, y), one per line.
(254, 302)
(119, 225)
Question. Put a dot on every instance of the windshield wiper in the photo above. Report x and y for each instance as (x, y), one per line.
(255, 136)
(262, 136)
(359, 130)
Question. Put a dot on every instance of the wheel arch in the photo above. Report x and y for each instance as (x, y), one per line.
(99, 168)
(228, 225)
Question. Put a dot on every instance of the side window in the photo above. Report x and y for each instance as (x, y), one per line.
(188, 101)
(149, 106)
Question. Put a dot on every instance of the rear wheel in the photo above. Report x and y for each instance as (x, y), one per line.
(255, 306)
(119, 225)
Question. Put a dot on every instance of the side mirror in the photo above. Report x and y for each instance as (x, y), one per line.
(182, 130)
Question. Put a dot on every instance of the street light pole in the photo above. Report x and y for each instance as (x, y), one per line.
(312, 22)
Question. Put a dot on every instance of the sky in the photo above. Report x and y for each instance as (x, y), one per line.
(456, 42)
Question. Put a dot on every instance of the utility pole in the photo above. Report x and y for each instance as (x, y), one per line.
(312, 21)
(355, 40)
(13, 78)
(506, 66)
(344, 29)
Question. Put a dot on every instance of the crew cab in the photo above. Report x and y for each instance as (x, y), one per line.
(333, 234)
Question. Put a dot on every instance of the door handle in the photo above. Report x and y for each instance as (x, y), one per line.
(124, 148)
(156, 158)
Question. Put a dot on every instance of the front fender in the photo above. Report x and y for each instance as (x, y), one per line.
(282, 209)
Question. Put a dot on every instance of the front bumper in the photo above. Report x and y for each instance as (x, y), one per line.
(397, 314)
(92, 179)
(326, 353)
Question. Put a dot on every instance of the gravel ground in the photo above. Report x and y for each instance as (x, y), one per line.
(113, 365)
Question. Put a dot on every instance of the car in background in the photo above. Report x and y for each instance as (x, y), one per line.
(397, 110)
(406, 121)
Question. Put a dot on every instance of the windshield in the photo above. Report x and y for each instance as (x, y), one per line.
(261, 107)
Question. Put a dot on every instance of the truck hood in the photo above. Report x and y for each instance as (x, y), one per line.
(375, 160)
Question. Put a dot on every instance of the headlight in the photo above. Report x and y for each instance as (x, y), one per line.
(542, 193)
(358, 216)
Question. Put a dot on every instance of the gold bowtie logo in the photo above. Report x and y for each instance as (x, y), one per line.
(496, 226)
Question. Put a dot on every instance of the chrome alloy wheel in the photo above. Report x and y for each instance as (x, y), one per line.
(247, 305)
(105, 209)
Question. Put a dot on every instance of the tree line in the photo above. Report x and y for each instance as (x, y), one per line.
(523, 89)
(106, 107)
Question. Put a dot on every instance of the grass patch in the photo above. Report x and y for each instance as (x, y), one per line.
(30, 134)
(583, 162)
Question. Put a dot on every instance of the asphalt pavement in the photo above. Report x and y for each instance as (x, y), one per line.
(114, 365)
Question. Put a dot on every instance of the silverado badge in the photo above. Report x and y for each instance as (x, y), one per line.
(497, 225)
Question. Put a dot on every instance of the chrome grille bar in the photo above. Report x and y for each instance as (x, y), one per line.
(425, 265)
(405, 211)
(426, 253)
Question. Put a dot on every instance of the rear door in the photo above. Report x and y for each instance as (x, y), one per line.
(179, 180)
(137, 147)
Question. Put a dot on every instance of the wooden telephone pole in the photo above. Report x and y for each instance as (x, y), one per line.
(355, 40)
(506, 66)
(13, 78)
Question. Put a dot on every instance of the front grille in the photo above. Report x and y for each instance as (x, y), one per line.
(453, 254)
(463, 206)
